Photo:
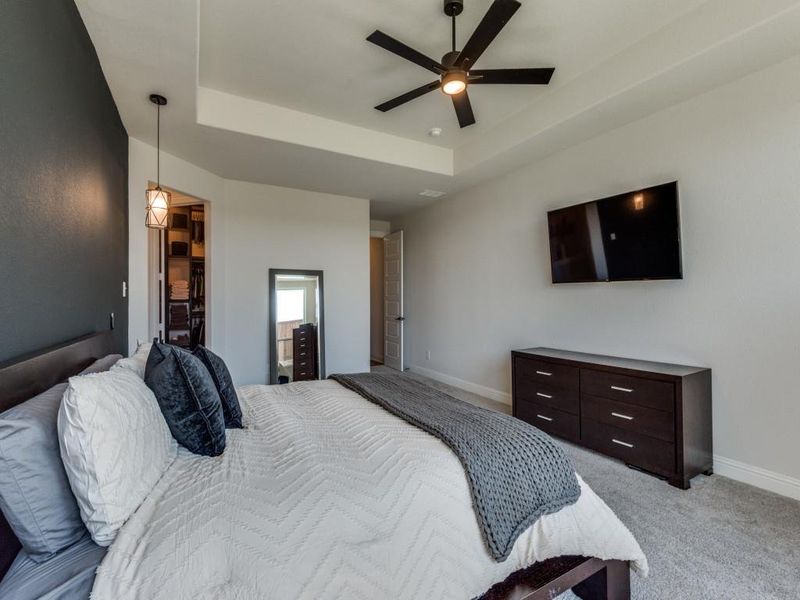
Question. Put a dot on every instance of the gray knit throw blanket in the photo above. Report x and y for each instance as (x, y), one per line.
(516, 472)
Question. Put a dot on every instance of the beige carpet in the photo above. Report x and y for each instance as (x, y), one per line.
(721, 540)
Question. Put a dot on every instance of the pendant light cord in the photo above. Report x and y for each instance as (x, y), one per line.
(454, 32)
(158, 146)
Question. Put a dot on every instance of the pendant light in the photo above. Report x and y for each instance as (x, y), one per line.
(157, 199)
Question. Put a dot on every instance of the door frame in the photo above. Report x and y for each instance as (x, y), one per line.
(156, 266)
(395, 236)
(273, 313)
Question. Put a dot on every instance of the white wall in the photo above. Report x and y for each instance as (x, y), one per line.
(379, 229)
(189, 179)
(253, 228)
(271, 227)
(478, 280)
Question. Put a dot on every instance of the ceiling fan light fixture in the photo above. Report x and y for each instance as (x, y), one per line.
(454, 83)
(455, 72)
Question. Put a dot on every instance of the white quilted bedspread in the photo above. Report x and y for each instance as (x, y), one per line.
(325, 495)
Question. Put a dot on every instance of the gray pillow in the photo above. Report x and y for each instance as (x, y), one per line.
(34, 491)
(222, 379)
(188, 399)
(101, 364)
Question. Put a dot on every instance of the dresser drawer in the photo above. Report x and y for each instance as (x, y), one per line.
(630, 417)
(656, 456)
(631, 390)
(552, 375)
(530, 391)
(549, 420)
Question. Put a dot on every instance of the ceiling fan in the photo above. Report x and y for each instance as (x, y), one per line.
(455, 69)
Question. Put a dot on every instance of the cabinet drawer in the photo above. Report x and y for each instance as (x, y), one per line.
(555, 376)
(630, 417)
(631, 390)
(636, 449)
(560, 399)
(549, 420)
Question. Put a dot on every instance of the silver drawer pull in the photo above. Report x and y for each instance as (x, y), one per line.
(541, 395)
(621, 389)
(626, 444)
(620, 416)
(543, 418)
(545, 373)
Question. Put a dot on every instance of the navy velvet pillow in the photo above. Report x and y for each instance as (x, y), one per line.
(188, 399)
(222, 379)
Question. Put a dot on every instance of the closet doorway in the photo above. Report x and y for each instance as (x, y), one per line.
(179, 274)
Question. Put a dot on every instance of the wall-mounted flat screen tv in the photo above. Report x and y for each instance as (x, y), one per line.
(629, 237)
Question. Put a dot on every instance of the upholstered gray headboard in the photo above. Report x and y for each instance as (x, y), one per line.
(27, 376)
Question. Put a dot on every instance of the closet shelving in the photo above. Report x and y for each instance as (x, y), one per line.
(184, 276)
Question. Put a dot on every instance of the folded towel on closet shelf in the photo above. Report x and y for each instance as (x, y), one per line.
(179, 290)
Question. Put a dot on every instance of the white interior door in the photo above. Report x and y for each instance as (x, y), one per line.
(393, 300)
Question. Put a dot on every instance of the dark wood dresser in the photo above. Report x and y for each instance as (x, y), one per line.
(653, 416)
(305, 365)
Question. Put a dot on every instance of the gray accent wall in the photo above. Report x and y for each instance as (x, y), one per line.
(63, 183)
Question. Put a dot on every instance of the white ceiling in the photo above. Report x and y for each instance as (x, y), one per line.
(312, 56)
(282, 91)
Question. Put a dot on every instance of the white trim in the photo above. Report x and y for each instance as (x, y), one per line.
(468, 386)
(758, 477)
(222, 110)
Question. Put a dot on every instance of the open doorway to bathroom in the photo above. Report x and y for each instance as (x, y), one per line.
(386, 298)
(179, 291)
(375, 300)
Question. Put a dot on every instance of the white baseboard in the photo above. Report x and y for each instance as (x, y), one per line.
(462, 384)
(726, 467)
(758, 477)
(733, 469)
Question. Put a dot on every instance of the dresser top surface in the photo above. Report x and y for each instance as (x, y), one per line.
(612, 361)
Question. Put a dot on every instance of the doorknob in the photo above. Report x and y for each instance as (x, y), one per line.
(400, 319)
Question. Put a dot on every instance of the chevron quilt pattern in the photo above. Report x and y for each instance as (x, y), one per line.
(325, 495)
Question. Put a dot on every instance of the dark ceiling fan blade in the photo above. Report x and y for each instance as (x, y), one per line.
(518, 76)
(392, 45)
(463, 109)
(408, 96)
(493, 21)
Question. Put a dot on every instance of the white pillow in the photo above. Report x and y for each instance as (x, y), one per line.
(115, 445)
(137, 362)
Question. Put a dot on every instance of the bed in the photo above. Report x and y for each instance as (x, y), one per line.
(325, 495)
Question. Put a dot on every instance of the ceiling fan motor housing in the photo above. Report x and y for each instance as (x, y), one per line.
(453, 8)
(449, 59)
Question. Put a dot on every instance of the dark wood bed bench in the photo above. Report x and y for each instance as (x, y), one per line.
(589, 578)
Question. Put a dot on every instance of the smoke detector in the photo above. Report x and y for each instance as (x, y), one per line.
(431, 193)
(435, 131)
